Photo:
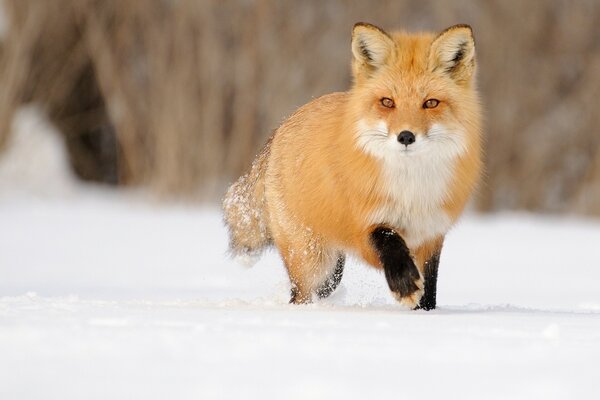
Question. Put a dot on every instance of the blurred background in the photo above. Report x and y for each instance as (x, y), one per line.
(177, 96)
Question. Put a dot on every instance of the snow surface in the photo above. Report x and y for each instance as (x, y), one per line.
(107, 295)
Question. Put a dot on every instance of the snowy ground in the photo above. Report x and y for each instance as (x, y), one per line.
(108, 296)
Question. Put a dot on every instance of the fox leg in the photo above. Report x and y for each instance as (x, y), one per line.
(333, 279)
(428, 255)
(403, 277)
(428, 300)
(312, 267)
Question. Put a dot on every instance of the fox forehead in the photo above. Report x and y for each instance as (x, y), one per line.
(406, 73)
(411, 52)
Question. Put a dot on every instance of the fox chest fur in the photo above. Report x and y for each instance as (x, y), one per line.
(414, 182)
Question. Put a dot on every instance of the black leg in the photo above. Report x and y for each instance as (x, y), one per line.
(333, 280)
(400, 270)
(431, 274)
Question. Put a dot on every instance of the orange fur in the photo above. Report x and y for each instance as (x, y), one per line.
(322, 189)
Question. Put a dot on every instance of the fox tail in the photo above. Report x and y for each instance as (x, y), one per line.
(245, 212)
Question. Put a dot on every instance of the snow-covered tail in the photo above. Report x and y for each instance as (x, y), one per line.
(245, 212)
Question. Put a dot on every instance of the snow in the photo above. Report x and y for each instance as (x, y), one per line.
(36, 161)
(108, 294)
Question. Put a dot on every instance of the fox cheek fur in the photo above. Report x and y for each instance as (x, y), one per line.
(381, 171)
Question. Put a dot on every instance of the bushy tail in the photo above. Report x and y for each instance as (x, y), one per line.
(245, 211)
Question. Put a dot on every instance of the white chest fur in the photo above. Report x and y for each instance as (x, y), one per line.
(415, 180)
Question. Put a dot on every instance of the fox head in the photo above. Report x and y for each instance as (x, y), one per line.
(414, 94)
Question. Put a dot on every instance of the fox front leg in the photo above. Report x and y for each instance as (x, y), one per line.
(428, 300)
(401, 273)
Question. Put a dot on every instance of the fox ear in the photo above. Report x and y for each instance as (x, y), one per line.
(371, 46)
(453, 53)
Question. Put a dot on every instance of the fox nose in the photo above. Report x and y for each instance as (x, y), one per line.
(406, 137)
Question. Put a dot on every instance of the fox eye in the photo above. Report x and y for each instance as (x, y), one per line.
(387, 102)
(431, 103)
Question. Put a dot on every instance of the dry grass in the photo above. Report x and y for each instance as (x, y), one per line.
(180, 95)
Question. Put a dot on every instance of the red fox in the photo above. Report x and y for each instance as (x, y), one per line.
(381, 171)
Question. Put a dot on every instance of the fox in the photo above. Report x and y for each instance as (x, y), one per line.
(380, 172)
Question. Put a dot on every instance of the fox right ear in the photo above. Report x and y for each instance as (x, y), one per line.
(453, 53)
(371, 46)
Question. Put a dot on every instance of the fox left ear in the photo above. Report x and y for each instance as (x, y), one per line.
(453, 53)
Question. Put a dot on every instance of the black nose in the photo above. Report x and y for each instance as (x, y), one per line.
(406, 137)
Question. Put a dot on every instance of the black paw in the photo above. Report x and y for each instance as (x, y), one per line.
(297, 298)
(401, 273)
